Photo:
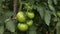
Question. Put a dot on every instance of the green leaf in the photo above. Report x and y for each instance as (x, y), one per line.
(51, 7)
(1, 29)
(1, 19)
(35, 7)
(55, 2)
(10, 25)
(55, 19)
(31, 1)
(8, 14)
(47, 17)
(40, 9)
(50, 2)
(58, 27)
(53, 10)
(32, 30)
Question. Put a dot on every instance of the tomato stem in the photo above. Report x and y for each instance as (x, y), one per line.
(20, 7)
(27, 12)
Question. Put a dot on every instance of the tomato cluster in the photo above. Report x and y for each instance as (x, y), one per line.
(25, 18)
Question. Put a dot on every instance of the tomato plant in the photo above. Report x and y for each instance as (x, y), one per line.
(29, 16)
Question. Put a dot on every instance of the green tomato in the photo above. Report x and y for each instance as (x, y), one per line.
(58, 14)
(28, 7)
(30, 15)
(20, 17)
(22, 27)
(26, 4)
(30, 22)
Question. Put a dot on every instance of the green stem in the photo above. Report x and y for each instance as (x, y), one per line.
(27, 11)
(20, 7)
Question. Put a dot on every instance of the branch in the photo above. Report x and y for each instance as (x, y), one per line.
(15, 8)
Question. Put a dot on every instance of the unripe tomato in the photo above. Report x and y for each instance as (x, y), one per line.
(26, 4)
(22, 27)
(20, 17)
(58, 14)
(28, 7)
(30, 22)
(30, 15)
